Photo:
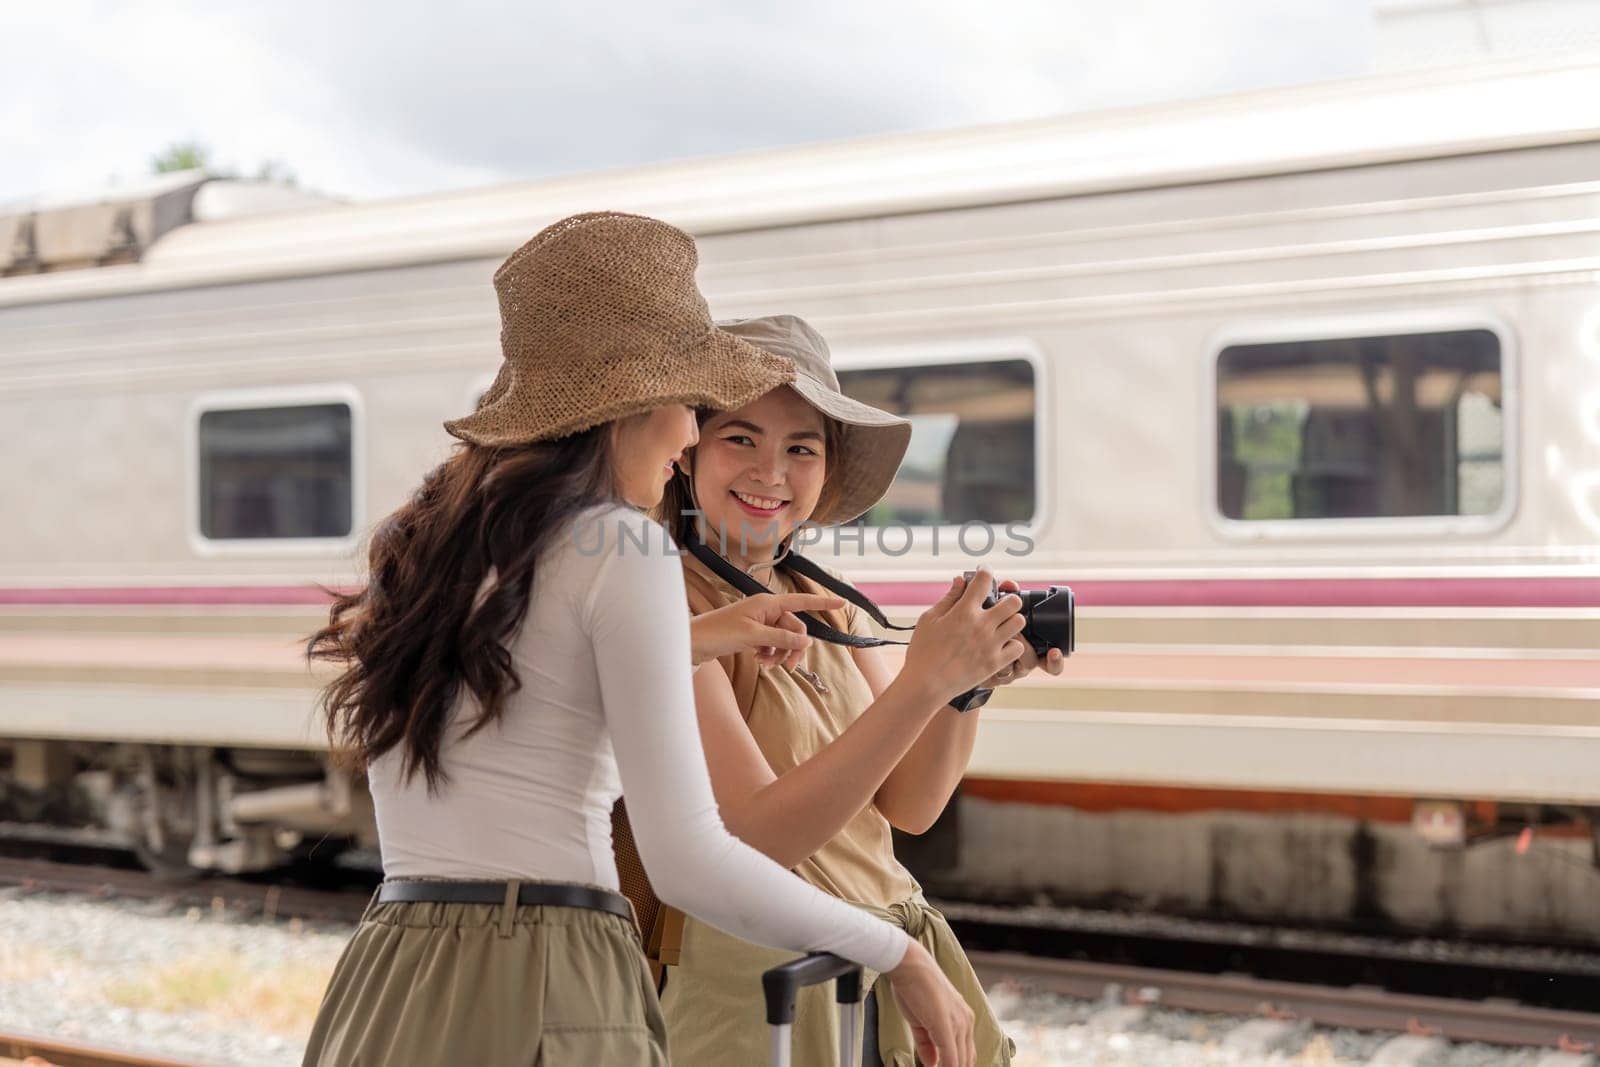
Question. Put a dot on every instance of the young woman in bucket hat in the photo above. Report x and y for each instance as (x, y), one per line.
(521, 655)
(814, 764)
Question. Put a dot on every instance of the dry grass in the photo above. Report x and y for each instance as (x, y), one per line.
(281, 999)
(29, 963)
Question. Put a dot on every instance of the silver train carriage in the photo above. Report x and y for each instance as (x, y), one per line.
(1299, 390)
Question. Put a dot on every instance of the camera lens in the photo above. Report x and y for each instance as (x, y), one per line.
(1051, 618)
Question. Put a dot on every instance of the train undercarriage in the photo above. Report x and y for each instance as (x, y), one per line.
(1452, 868)
(187, 810)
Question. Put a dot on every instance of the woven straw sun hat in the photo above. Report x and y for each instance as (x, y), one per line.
(871, 442)
(600, 319)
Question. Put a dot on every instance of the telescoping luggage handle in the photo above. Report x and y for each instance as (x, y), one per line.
(782, 985)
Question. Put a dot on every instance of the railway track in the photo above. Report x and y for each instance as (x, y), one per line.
(1563, 979)
(1319, 997)
(244, 899)
(1446, 1018)
(16, 1048)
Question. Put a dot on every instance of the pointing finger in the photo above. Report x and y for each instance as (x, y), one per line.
(806, 602)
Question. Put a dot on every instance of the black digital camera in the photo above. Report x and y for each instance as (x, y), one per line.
(1049, 614)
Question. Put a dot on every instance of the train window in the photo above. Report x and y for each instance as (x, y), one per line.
(276, 472)
(1361, 427)
(972, 455)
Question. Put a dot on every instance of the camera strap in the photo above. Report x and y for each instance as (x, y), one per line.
(801, 565)
(815, 627)
(975, 697)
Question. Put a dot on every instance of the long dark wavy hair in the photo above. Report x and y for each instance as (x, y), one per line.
(421, 630)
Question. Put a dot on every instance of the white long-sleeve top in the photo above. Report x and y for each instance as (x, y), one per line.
(606, 707)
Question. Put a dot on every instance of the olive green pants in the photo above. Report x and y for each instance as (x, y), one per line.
(713, 1004)
(451, 985)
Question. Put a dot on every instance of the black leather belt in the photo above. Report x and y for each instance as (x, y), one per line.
(557, 894)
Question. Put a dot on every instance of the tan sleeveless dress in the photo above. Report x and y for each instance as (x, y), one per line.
(712, 1001)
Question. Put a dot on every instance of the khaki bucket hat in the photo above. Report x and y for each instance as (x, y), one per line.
(600, 319)
(872, 442)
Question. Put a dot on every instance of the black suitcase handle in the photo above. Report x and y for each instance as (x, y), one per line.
(782, 984)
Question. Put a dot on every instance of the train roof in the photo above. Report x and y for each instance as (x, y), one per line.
(1486, 107)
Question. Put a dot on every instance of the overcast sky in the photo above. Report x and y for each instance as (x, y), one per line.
(366, 99)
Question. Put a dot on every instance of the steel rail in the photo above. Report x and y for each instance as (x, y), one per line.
(1364, 1008)
(18, 1047)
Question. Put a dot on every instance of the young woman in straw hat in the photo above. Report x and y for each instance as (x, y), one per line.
(521, 655)
(813, 764)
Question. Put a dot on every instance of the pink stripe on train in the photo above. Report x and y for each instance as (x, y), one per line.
(1206, 592)
(134, 596)
(1297, 593)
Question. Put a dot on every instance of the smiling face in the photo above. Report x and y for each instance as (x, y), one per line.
(646, 446)
(761, 469)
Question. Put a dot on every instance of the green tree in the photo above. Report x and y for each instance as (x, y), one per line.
(194, 155)
(181, 155)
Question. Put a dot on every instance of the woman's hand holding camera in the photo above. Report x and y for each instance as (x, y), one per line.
(959, 643)
(1054, 662)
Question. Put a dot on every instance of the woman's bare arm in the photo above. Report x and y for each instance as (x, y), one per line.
(917, 788)
(920, 786)
(790, 817)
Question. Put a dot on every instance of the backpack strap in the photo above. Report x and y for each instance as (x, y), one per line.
(669, 936)
(660, 927)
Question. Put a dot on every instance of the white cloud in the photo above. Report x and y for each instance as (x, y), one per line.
(371, 99)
